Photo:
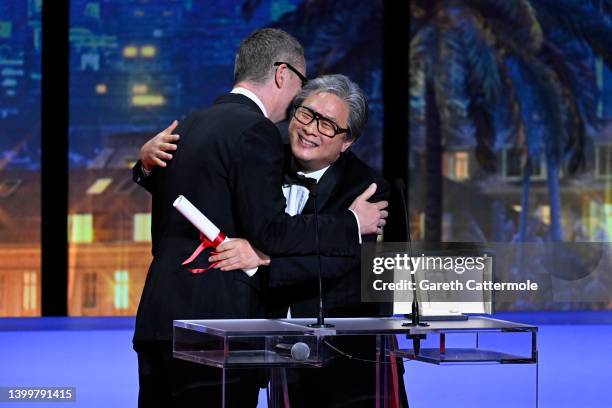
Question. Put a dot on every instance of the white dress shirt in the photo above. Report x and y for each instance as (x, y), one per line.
(296, 195)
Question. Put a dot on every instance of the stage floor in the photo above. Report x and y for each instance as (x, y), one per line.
(95, 355)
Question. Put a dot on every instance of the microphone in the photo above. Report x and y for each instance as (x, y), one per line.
(416, 318)
(299, 351)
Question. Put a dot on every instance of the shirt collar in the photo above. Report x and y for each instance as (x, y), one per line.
(317, 174)
(251, 96)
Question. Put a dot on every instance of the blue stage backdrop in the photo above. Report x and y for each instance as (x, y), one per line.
(135, 67)
(20, 87)
(511, 138)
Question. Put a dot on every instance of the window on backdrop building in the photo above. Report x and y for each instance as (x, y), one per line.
(513, 168)
(137, 66)
(604, 161)
(90, 290)
(456, 165)
(121, 289)
(20, 87)
(30, 292)
(2, 295)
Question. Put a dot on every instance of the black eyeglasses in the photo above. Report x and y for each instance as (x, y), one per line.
(295, 71)
(325, 126)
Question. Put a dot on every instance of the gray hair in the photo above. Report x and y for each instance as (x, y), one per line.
(260, 50)
(345, 89)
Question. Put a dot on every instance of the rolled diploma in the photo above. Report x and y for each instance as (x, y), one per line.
(202, 223)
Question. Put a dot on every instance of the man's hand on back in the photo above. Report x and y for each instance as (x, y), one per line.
(371, 215)
(154, 152)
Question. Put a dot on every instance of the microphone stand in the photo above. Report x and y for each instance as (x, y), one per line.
(320, 324)
(415, 316)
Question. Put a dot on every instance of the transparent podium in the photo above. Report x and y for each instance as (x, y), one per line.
(290, 343)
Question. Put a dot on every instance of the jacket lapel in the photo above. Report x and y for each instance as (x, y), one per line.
(326, 186)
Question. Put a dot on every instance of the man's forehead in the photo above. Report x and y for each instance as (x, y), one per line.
(326, 104)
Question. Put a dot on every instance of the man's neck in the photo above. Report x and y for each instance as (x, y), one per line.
(264, 97)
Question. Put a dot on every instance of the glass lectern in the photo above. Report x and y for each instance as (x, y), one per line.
(279, 344)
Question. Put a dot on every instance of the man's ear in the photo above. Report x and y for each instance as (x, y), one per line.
(279, 76)
(346, 144)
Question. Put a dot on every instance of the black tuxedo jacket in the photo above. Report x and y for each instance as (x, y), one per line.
(229, 165)
(293, 280)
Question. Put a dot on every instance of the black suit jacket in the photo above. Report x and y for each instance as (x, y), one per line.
(229, 165)
(293, 281)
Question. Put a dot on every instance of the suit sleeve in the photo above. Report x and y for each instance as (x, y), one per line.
(297, 269)
(255, 179)
(139, 177)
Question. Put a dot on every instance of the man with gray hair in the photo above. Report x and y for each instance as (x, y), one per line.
(229, 166)
(328, 116)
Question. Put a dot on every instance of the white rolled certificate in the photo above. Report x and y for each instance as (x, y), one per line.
(203, 224)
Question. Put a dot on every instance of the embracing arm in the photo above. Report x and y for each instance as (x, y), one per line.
(296, 269)
(284, 270)
(155, 153)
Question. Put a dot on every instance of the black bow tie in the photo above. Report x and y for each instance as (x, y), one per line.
(292, 178)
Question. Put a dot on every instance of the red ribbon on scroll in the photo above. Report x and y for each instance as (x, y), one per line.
(206, 243)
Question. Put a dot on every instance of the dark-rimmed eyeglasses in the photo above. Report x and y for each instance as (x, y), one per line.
(295, 71)
(325, 126)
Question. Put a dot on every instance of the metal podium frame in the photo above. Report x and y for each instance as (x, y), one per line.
(250, 343)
